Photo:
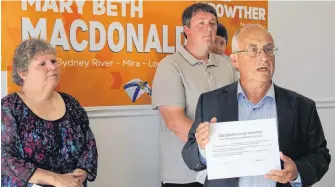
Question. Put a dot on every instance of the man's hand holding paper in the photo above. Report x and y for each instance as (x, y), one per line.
(288, 174)
(243, 148)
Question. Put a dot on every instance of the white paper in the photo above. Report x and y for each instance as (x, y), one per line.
(242, 148)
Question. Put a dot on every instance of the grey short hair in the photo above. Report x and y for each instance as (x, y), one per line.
(193, 9)
(25, 53)
(234, 42)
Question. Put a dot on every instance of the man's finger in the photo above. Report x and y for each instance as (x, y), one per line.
(284, 158)
(276, 172)
(202, 129)
(213, 120)
(203, 135)
(276, 178)
(272, 177)
(200, 135)
(204, 143)
(202, 125)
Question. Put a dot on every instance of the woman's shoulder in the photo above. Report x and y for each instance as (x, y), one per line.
(10, 100)
(73, 106)
(69, 99)
(66, 96)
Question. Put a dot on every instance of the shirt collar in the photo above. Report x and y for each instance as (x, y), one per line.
(270, 93)
(192, 60)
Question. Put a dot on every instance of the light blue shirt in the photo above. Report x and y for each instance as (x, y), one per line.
(264, 109)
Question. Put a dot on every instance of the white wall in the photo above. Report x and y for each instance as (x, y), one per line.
(304, 33)
(127, 140)
(3, 83)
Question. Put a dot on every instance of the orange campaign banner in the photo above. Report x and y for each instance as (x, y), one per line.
(109, 50)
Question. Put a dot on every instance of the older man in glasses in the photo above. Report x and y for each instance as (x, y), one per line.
(305, 157)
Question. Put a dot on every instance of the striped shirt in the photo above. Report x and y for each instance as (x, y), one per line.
(264, 109)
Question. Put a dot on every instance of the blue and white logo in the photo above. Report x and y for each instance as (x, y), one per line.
(136, 88)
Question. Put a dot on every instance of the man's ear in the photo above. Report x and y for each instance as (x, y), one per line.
(233, 60)
(186, 30)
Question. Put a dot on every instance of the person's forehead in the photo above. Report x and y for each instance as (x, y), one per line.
(256, 39)
(203, 15)
(218, 37)
(43, 56)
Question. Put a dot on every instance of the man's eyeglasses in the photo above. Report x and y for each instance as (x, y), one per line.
(255, 51)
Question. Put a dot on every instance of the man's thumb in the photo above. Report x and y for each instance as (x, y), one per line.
(213, 120)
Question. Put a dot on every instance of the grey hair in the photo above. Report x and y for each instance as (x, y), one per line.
(27, 51)
(190, 11)
(234, 42)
